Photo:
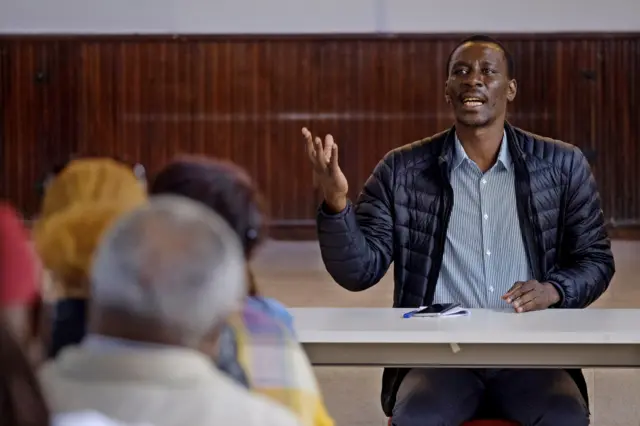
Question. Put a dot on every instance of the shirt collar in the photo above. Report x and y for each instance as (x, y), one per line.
(101, 342)
(504, 157)
(165, 367)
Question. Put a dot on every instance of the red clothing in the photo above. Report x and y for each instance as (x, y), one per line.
(18, 278)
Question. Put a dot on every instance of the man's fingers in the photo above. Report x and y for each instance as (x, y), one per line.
(307, 134)
(322, 155)
(334, 156)
(317, 146)
(526, 296)
(328, 147)
(526, 302)
(513, 296)
(513, 288)
(532, 304)
(311, 152)
(519, 292)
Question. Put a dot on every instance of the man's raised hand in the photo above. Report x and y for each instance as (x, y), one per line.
(324, 159)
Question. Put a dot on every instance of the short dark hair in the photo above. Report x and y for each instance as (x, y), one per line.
(485, 39)
(223, 186)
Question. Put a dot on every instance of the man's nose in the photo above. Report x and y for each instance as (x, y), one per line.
(474, 79)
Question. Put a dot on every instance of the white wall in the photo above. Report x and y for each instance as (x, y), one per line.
(514, 16)
(316, 16)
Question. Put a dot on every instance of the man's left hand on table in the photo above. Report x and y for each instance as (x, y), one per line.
(531, 295)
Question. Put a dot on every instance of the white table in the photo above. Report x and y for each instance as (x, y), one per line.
(551, 338)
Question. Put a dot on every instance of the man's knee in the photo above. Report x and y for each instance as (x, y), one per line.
(564, 410)
(551, 410)
(436, 398)
(420, 407)
(421, 418)
(540, 397)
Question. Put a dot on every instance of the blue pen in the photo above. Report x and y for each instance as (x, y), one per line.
(410, 313)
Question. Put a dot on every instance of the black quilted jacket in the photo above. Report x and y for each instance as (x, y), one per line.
(402, 215)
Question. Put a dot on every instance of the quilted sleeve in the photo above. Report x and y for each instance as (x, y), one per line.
(586, 262)
(357, 243)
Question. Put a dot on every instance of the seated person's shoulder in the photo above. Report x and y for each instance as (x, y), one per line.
(416, 155)
(261, 335)
(273, 309)
(262, 317)
(561, 154)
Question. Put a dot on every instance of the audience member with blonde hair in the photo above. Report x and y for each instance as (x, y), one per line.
(79, 204)
(163, 282)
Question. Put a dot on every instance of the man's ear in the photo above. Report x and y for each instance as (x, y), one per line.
(512, 90)
(447, 98)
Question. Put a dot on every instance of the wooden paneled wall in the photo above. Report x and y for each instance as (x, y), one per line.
(246, 98)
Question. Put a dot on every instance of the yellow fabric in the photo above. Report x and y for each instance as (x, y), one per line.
(307, 405)
(92, 180)
(78, 207)
(277, 367)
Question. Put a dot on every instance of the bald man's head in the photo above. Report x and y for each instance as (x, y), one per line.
(172, 261)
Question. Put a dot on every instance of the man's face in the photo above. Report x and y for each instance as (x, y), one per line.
(479, 85)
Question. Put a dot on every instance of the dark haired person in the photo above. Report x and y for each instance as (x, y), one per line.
(228, 190)
(483, 214)
(257, 347)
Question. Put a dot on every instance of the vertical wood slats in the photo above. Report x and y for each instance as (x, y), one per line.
(147, 99)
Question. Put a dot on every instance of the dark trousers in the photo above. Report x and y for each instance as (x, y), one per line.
(449, 397)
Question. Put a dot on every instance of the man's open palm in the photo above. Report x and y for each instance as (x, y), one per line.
(324, 159)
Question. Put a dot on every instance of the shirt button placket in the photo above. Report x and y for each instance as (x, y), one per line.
(486, 231)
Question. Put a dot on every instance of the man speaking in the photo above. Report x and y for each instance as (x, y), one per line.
(483, 214)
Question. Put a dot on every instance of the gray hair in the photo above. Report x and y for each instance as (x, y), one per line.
(172, 260)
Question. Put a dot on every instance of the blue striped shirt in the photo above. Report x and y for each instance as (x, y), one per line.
(484, 252)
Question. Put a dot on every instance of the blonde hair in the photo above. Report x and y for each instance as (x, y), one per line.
(79, 206)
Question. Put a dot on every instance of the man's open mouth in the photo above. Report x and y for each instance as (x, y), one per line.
(472, 101)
